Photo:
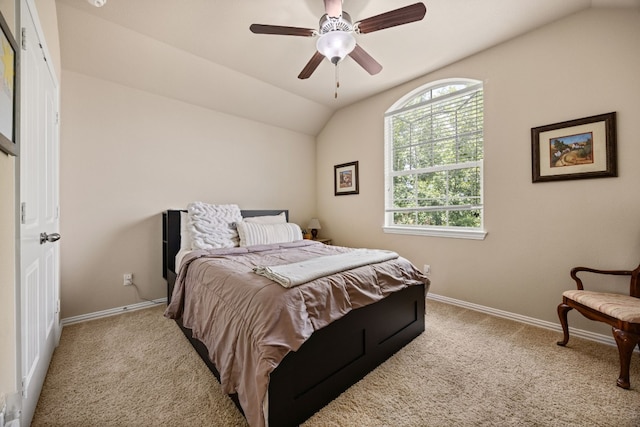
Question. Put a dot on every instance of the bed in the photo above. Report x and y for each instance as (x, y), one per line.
(331, 359)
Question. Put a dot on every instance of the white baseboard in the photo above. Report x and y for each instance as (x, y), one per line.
(112, 311)
(580, 333)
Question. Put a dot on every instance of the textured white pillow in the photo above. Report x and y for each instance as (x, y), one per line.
(212, 226)
(265, 234)
(281, 218)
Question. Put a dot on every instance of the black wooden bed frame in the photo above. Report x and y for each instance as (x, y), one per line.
(334, 357)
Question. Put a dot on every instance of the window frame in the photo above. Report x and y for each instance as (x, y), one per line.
(475, 233)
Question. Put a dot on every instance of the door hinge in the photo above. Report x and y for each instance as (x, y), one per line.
(57, 118)
(57, 306)
(23, 212)
(24, 38)
(23, 392)
(42, 51)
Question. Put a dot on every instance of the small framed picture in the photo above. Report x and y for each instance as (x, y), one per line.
(575, 149)
(346, 179)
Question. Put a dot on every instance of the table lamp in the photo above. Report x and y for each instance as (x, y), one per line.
(314, 225)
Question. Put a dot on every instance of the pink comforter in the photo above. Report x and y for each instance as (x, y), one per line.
(249, 323)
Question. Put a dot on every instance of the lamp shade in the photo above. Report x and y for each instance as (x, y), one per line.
(314, 224)
(335, 45)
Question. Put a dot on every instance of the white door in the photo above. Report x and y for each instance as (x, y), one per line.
(39, 251)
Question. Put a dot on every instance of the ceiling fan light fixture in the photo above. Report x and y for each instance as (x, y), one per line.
(335, 45)
(336, 32)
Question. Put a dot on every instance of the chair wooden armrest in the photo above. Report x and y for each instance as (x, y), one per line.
(621, 312)
(576, 270)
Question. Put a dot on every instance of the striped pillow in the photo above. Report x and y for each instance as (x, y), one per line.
(252, 234)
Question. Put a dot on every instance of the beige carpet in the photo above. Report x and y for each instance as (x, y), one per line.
(467, 369)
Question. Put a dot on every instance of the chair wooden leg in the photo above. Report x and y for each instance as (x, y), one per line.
(563, 309)
(626, 343)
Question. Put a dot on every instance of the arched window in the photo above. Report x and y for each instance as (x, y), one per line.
(433, 153)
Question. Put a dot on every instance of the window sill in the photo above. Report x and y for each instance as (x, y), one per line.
(462, 233)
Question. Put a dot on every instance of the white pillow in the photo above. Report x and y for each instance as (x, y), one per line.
(281, 218)
(185, 235)
(265, 234)
(212, 226)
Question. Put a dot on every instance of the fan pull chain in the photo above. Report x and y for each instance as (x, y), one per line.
(337, 82)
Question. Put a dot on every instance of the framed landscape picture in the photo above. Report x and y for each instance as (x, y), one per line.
(575, 149)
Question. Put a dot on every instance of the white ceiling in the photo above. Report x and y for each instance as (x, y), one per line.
(218, 32)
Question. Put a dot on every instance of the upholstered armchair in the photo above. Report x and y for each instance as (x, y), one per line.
(621, 312)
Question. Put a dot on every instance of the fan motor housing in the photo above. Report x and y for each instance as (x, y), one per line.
(342, 23)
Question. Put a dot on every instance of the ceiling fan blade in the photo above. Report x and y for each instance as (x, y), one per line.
(404, 15)
(333, 8)
(311, 66)
(365, 60)
(283, 31)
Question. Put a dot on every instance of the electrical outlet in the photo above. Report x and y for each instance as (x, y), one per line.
(127, 279)
(426, 269)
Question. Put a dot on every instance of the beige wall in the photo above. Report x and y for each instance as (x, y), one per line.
(131, 148)
(127, 155)
(584, 65)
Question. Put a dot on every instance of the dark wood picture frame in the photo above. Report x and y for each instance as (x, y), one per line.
(9, 90)
(575, 149)
(345, 179)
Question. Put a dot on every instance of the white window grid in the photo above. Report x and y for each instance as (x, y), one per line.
(419, 101)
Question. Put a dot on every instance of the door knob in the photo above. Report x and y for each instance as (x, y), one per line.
(53, 237)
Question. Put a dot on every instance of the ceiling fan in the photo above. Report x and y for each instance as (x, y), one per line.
(336, 34)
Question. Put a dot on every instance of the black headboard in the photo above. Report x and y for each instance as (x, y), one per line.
(171, 239)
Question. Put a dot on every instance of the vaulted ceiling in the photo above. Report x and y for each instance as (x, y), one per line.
(226, 67)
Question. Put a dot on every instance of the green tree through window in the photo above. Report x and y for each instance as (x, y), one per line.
(434, 151)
